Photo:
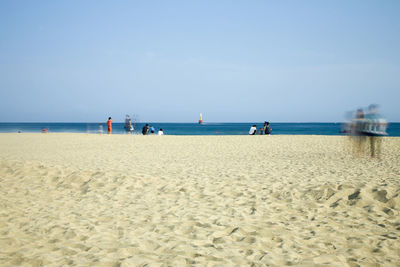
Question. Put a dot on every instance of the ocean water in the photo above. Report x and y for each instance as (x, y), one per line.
(189, 128)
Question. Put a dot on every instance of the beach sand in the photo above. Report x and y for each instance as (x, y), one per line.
(124, 200)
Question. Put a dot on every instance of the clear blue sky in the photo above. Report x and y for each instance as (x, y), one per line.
(167, 61)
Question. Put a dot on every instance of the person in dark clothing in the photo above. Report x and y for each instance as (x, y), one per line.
(145, 129)
(267, 128)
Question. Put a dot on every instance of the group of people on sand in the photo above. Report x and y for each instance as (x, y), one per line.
(146, 130)
(128, 126)
(365, 127)
(264, 130)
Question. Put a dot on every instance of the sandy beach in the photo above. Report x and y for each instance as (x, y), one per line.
(125, 200)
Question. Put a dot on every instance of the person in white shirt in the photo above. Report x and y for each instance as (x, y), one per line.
(253, 130)
(160, 132)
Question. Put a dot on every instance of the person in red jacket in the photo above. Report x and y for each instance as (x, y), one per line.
(109, 125)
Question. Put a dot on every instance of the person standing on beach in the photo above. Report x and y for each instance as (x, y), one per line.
(128, 124)
(374, 128)
(109, 125)
(357, 131)
(253, 130)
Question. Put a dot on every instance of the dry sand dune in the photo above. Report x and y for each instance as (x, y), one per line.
(98, 200)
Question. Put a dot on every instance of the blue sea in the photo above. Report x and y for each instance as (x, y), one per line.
(188, 128)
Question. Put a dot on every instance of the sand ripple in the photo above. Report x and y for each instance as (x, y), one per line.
(215, 201)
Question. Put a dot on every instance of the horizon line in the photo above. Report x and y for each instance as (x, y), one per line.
(334, 122)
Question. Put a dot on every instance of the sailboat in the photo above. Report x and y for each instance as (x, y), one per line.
(201, 119)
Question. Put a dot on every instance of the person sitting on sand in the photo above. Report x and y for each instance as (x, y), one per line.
(109, 125)
(160, 132)
(267, 128)
(145, 129)
(152, 130)
(253, 130)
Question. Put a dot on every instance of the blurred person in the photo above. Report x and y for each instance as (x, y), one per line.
(347, 127)
(356, 131)
(128, 124)
(253, 130)
(374, 129)
(261, 131)
(152, 130)
(109, 125)
(160, 132)
(359, 121)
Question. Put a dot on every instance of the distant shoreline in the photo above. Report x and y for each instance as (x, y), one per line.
(180, 135)
(187, 128)
(192, 122)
